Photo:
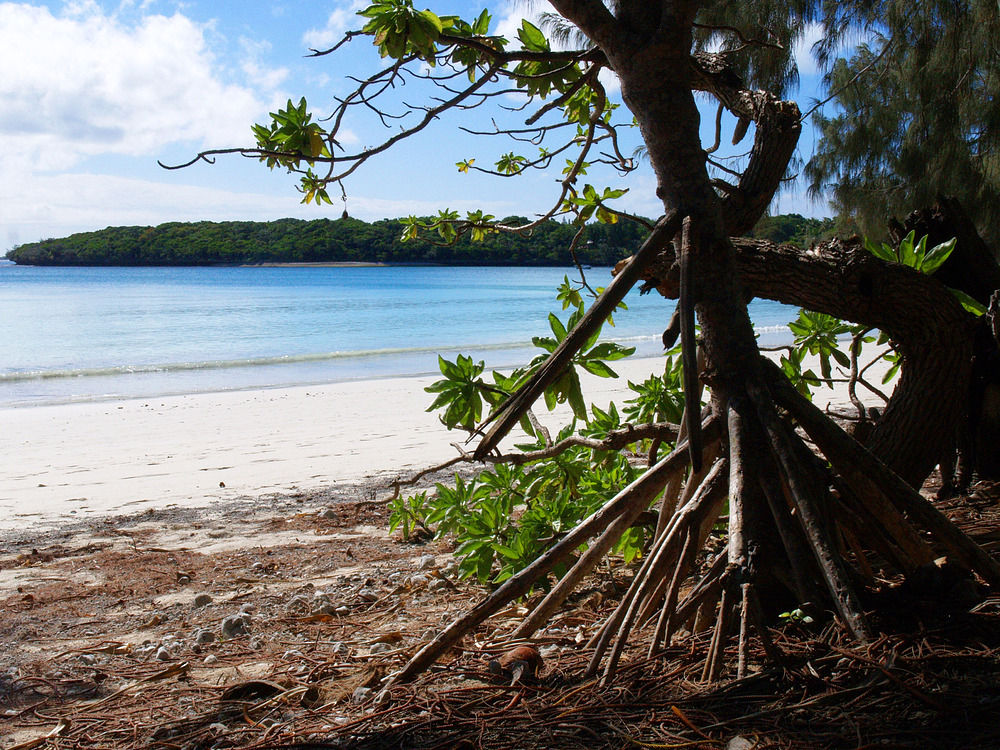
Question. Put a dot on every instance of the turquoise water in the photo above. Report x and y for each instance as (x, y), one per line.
(70, 334)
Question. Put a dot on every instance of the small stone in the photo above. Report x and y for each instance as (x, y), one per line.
(378, 648)
(204, 636)
(328, 513)
(368, 595)
(162, 654)
(343, 610)
(341, 649)
(183, 580)
(88, 659)
(324, 608)
(211, 659)
(739, 743)
(247, 609)
(417, 580)
(361, 695)
(235, 625)
(217, 728)
(298, 603)
(427, 562)
(438, 585)
(202, 600)
(293, 655)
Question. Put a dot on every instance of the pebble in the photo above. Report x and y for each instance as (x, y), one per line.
(378, 648)
(438, 585)
(203, 636)
(162, 654)
(211, 659)
(88, 659)
(327, 513)
(361, 695)
(739, 743)
(235, 625)
(343, 610)
(247, 609)
(202, 600)
(418, 579)
(427, 562)
(298, 603)
(341, 649)
(217, 728)
(367, 595)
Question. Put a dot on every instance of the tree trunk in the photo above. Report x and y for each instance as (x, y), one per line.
(934, 334)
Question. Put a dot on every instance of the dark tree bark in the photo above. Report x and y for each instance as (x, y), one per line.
(933, 332)
(784, 514)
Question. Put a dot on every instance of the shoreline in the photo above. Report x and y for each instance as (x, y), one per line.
(93, 459)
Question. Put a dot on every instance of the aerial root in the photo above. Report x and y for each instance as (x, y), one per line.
(784, 521)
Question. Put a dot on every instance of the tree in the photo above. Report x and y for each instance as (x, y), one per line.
(788, 511)
(918, 112)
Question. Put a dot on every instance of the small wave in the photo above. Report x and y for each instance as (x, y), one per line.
(224, 364)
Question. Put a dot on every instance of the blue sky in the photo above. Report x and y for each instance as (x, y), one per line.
(94, 93)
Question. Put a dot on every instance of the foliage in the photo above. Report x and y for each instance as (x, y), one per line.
(913, 253)
(816, 334)
(795, 229)
(917, 111)
(344, 240)
(462, 393)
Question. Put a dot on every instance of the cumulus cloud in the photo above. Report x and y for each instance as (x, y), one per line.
(82, 82)
(59, 205)
(803, 49)
(341, 19)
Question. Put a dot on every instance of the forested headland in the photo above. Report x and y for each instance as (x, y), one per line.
(348, 240)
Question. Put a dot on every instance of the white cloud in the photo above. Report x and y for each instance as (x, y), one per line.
(84, 83)
(59, 205)
(341, 19)
(812, 33)
(254, 52)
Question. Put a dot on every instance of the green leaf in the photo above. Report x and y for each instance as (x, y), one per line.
(557, 327)
(971, 305)
(937, 255)
(532, 37)
(598, 368)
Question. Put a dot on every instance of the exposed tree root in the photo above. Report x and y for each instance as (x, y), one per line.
(794, 522)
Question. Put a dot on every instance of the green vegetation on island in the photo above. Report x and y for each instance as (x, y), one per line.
(349, 240)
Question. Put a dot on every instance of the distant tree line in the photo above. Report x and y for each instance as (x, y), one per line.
(355, 241)
(324, 241)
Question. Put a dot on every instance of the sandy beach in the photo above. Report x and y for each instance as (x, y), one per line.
(85, 460)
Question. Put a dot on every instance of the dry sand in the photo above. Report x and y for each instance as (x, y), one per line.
(86, 460)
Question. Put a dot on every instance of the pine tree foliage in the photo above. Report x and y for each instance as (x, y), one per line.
(919, 111)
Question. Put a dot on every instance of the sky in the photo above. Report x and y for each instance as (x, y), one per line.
(94, 94)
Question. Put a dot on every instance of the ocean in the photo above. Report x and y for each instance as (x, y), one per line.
(82, 334)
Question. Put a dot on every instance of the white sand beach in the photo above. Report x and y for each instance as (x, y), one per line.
(85, 460)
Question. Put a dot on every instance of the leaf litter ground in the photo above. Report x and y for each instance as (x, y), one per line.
(104, 646)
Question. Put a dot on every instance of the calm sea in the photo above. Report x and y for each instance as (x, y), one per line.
(69, 334)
